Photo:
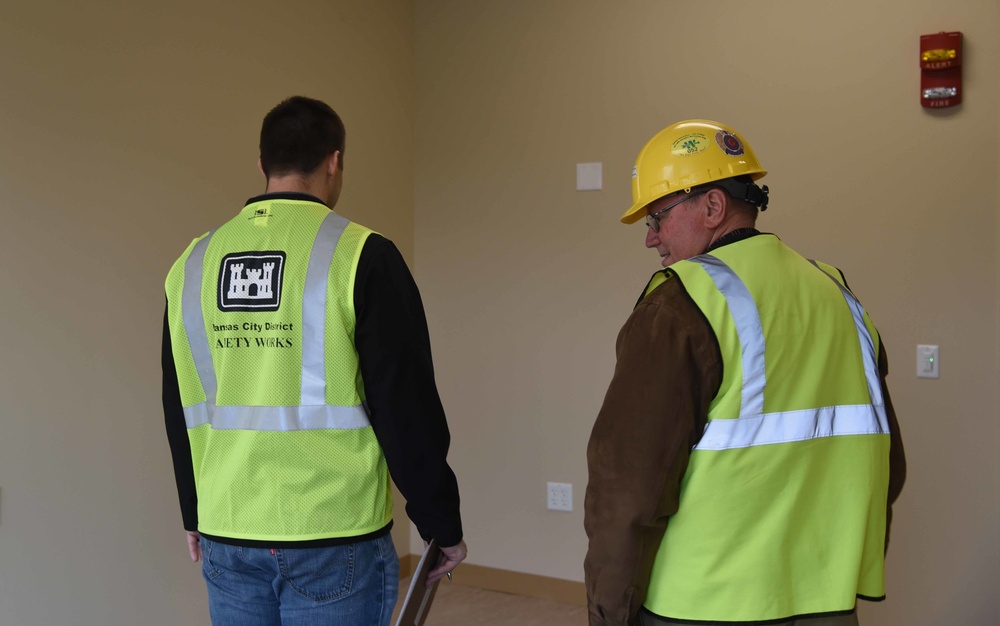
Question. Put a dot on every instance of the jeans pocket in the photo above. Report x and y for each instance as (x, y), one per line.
(208, 564)
(319, 574)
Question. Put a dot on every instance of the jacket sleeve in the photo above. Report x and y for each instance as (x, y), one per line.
(394, 349)
(897, 457)
(667, 372)
(177, 436)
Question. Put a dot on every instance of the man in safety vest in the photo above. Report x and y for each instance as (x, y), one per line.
(743, 465)
(296, 377)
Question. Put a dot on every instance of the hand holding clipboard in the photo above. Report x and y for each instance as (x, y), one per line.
(420, 595)
(421, 592)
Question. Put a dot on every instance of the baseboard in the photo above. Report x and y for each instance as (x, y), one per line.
(506, 581)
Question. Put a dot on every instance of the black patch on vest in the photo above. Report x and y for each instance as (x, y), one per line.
(251, 281)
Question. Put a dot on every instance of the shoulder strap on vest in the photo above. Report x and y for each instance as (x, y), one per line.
(657, 279)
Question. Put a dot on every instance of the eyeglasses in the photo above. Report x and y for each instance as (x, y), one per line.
(653, 221)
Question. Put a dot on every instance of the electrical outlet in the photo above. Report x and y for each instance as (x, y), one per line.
(560, 497)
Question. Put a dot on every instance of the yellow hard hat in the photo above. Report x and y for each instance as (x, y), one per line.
(688, 154)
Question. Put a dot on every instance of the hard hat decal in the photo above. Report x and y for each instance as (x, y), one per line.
(635, 171)
(690, 144)
(729, 143)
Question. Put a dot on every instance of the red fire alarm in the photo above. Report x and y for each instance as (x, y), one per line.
(941, 70)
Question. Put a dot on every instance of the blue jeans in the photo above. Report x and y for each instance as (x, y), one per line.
(349, 585)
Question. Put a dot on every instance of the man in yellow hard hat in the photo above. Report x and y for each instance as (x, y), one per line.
(746, 457)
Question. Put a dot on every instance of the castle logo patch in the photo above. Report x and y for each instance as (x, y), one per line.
(251, 281)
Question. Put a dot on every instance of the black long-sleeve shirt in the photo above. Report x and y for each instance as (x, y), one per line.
(393, 346)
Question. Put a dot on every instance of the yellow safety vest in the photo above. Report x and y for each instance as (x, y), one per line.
(782, 508)
(261, 316)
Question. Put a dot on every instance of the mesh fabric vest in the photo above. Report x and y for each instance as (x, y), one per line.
(782, 508)
(261, 315)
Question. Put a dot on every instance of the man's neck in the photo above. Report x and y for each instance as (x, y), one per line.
(733, 222)
(294, 184)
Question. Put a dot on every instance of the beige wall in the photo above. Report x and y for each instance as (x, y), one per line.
(527, 281)
(126, 129)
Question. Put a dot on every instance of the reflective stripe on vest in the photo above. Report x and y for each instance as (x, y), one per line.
(867, 344)
(314, 311)
(194, 320)
(313, 412)
(748, 328)
(756, 428)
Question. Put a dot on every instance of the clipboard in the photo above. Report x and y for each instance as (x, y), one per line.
(419, 596)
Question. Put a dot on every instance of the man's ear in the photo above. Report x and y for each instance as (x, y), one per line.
(716, 207)
(260, 166)
(333, 165)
